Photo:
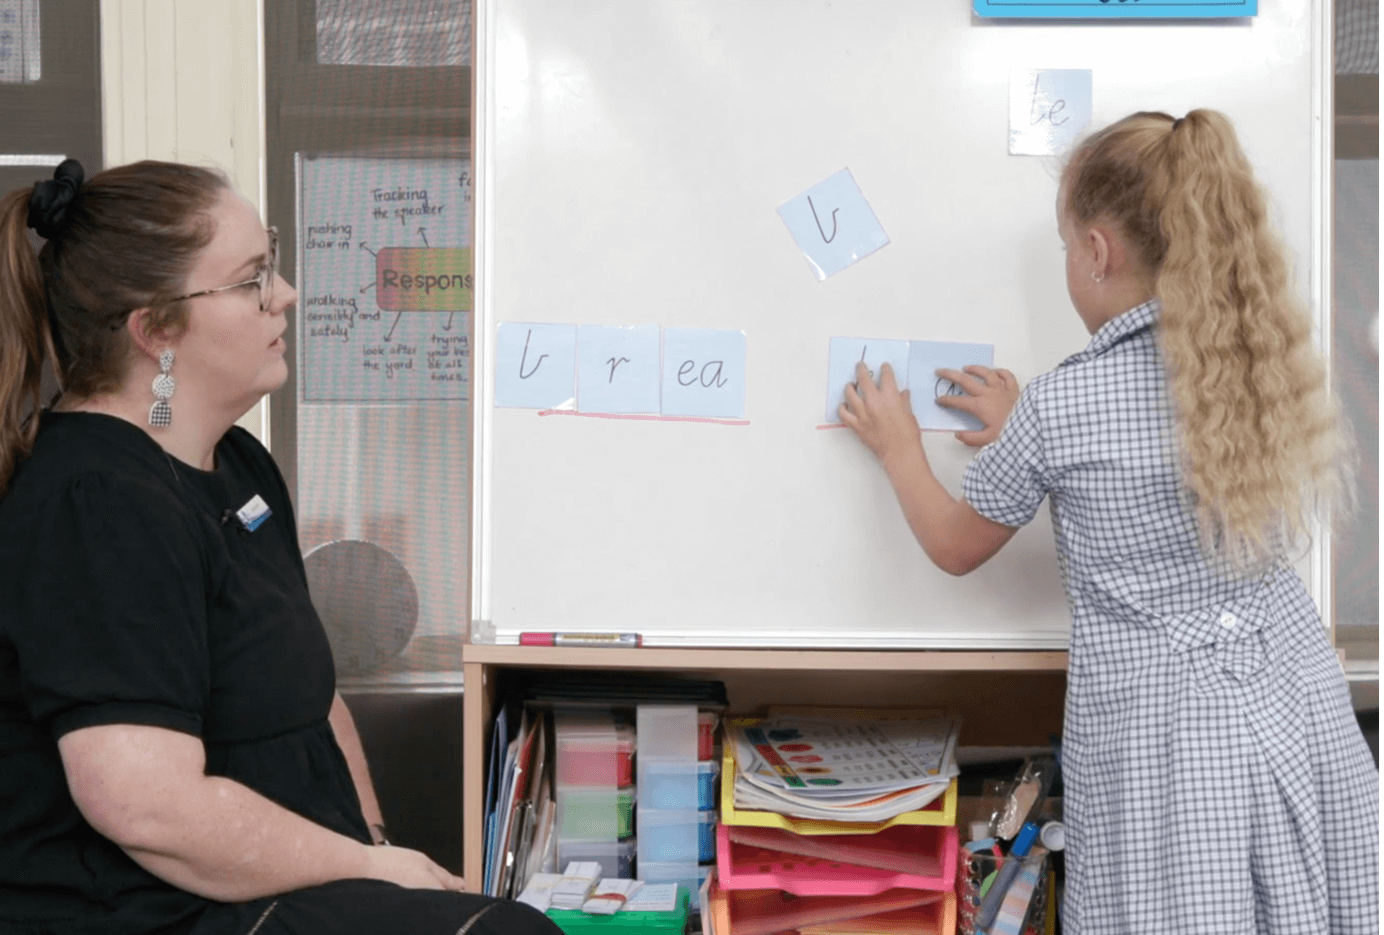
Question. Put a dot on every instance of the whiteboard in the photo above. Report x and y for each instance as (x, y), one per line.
(384, 279)
(630, 156)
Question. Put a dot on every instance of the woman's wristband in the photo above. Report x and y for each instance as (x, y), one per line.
(378, 835)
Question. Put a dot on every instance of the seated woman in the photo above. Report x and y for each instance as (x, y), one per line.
(174, 757)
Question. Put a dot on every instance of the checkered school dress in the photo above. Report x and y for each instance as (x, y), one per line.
(1216, 779)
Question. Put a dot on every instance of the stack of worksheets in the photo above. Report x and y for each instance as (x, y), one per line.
(841, 768)
(575, 885)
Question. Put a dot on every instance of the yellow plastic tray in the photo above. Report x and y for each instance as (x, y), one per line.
(940, 811)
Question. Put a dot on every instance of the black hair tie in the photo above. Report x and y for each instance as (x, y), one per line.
(51, 199)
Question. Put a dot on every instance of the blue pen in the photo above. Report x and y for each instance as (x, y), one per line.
(990, 906)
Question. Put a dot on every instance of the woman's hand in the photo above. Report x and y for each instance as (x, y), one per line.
(410, 869)
(880, 416)
(146, 789)
(992, 394)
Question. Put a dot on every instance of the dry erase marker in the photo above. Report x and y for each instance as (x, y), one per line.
(580, 639)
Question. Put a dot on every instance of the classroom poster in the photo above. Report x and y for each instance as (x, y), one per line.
(385, 280)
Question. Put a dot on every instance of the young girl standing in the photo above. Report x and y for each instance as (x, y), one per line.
(1216, 779)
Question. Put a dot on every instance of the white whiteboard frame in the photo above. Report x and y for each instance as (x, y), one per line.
(482, 318)
(1315, 565)
(1320, 582)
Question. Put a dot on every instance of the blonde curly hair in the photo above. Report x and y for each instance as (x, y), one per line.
(1264, 448)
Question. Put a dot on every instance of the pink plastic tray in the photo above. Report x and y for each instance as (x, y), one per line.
(798, 864)
(762, 912)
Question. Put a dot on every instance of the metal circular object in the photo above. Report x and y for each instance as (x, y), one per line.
(366, 600)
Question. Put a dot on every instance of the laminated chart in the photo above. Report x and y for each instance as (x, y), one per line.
(385, 279)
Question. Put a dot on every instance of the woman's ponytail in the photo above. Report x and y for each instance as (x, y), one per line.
(122, 240)
(24, 334)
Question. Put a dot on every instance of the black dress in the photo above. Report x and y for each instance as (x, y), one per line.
(131, 593)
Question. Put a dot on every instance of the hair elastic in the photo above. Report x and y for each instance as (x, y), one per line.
(51, 199)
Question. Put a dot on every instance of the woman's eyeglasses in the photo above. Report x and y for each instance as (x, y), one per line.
(264, 278)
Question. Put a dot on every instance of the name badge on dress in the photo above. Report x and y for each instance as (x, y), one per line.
(253, 514)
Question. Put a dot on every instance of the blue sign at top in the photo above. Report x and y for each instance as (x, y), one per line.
(1117, 9)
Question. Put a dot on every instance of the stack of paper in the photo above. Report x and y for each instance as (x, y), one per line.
(654, 897)
(610, 896)
(539, 891)
(576, 884)
(842, 767)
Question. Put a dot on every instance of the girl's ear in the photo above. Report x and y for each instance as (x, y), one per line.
(1101, 246)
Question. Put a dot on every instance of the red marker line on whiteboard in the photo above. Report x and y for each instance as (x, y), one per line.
(642, 417)
(580, 639)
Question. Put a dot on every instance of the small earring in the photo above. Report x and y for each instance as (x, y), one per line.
(161, 413)
(1095, 278)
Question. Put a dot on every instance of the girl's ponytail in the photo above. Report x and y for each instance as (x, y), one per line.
(1261, 435)
(1262, 443)
(24, 335)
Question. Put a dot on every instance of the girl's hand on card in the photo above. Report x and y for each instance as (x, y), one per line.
(991, 396)
(881, 416)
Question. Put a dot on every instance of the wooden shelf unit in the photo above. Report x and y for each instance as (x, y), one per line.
(1004, 698)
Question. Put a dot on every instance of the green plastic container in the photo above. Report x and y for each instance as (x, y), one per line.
(576, 922)
(594, 813)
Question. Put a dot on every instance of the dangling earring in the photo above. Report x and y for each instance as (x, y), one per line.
(161, 413)
(1095, 278)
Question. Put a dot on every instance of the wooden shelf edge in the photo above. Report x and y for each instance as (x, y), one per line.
(919, 660)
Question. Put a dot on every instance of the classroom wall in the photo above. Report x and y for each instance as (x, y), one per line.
(184, 81)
